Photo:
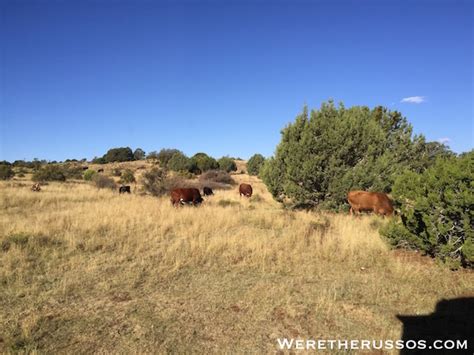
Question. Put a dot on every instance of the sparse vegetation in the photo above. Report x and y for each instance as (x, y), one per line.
(116, 172)
(6, 172)
(93, 272)
(104, 182)
(218, 176)
(49, 172)
(89, 174)
(127, 177)
(157, 182)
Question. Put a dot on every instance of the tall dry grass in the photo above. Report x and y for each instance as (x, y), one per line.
(87, 270)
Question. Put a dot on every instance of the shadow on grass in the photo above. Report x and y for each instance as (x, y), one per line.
(452, 321)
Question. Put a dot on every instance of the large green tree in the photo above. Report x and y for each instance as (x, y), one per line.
(327, 152)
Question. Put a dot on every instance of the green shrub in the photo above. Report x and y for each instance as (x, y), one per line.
(255, 163)
(99, 160)
(164, 156)
(73, 171)
(6, 172)
(127, 177)
(49, 173)
(326, 153)
(202, 162)
(104, 182)
(437, 210)
(138, 154)
(89, 174)
(180, 162)
(118, 155)
(227, 164)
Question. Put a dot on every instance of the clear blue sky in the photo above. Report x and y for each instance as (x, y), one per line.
(224, 77)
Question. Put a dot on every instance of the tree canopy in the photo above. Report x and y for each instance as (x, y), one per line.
(327, 152)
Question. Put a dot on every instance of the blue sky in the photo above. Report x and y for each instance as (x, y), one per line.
(223, 77)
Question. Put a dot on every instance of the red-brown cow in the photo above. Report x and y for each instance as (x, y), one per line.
(186, 196)
(245, 190)
(376, 202)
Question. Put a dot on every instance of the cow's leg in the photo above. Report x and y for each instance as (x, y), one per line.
(351, 212)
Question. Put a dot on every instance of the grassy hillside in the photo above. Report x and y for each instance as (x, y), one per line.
(85, 270)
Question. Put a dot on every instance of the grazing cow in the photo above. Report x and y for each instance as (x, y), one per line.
(36, 187)
(186, 196)
(376, 202)
(207, 191)
(245, 190)
(100, 170)
(123, 189)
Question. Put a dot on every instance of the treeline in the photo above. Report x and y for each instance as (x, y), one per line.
(168, 159)
(329, 151)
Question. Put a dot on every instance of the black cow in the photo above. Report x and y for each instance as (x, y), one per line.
(207, 191)
(123, 189)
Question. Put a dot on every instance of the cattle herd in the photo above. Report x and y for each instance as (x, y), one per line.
(360, 201)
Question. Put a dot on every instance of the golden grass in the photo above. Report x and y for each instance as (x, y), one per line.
(85, 270)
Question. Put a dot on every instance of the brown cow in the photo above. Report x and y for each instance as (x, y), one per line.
(36, 187)
(186, 196)
(245, 190)
(376, 202)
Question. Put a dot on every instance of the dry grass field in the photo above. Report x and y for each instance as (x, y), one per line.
(84, 270)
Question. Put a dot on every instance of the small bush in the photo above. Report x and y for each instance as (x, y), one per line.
(255, 163)
(49, 173)
(227, 164)
(89, 174)
(157, 183)
(218, 176)
(180, 162)
(116, 172)
(73, 172)
(104, 182)
(127, 177)
(164, 156)
(202, 162)
(6, 172)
